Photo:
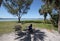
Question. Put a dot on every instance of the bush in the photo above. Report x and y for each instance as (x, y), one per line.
(54, 20)
(48, 22)
(32, 21)
(37, 21)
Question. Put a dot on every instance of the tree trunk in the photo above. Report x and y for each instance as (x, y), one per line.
(59, 22)
(19, 21)
(45, 19)
(45, 15)
(19, 18)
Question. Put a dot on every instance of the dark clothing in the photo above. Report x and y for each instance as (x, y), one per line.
(30, 27)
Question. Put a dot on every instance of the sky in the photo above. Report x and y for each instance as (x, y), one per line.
(32, 13)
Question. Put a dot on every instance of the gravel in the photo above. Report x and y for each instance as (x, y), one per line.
(50, 36)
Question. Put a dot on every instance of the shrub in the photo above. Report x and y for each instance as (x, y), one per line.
(54, 20)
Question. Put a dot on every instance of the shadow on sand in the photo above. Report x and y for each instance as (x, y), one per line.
(37, 35)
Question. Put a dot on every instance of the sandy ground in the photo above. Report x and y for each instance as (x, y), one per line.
(49, 36)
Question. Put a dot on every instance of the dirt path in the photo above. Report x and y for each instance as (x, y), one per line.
(50, 36)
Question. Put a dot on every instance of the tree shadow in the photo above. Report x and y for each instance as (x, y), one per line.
(38, 35)
(27, 36)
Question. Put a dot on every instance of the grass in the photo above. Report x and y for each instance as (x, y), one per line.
(40, 25)
(6, 27)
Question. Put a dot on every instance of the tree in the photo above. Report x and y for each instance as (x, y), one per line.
(18, 7)
(1, 2)
(56, 5)
(45, 9)
(43, 12)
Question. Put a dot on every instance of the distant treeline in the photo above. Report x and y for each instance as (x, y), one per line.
(36, 21)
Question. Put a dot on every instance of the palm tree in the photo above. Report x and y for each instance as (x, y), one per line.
(45, 10)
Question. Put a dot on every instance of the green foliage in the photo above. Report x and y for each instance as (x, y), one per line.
(36, 21)
(55, 20)
(54, 4)
(32, 21)
(47, 21)
(18, 7)
(45, 9)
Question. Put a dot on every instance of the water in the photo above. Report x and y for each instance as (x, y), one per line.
(8, 19)
(16, 19)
